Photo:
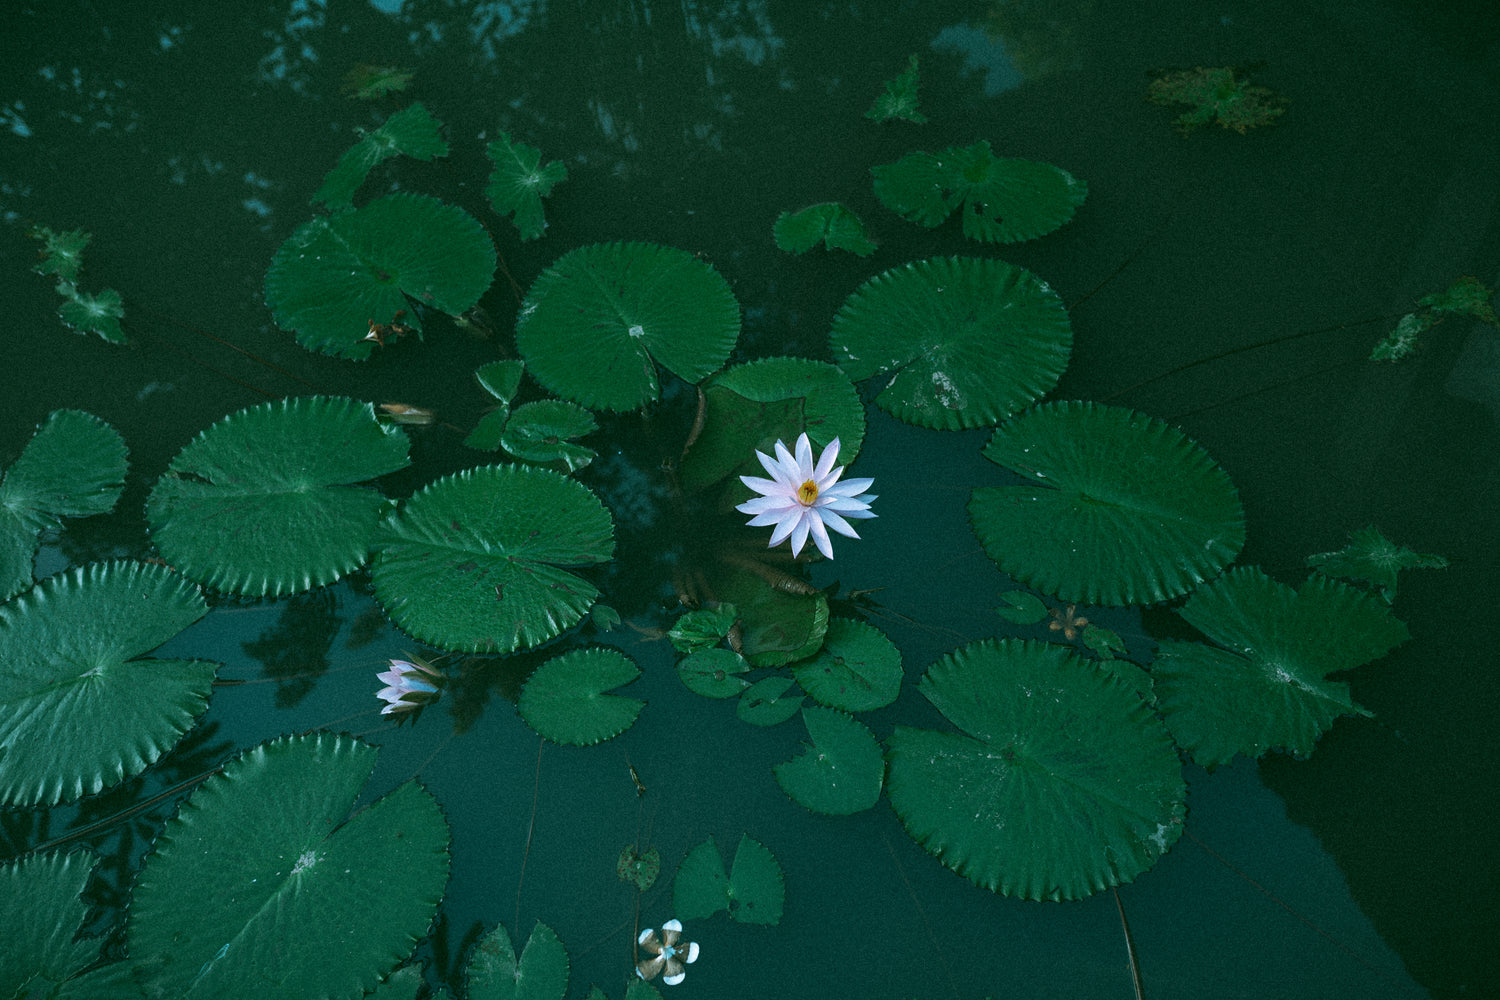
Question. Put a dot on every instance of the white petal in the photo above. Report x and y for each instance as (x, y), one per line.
(759, 505)
(799, 533)
(837, 523)
(784, 527)
(804, 458)
(645, 935)
(675, 926)
(692, 955)
(850, 487)
(820, 537)
(765, 487)
(674, 980)
(826, 460)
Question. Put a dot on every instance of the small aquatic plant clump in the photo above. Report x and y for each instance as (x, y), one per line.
(1215, 94)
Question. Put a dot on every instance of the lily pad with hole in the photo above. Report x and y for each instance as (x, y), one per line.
(840, 771)
(83, 708)
(410, 132)
(480, 561)
(264, 885)
(336, 278)
(40, 916)
(540, 973)
(566, 699)
(858, 668)
(1059, 783)
(750, 407)
(1265, 685)
(829, 223)
(519, 182)
(266, 502)
(1120, 508)
(956, 342)
(600, 324)
(73, 466)
(753, 891)
(1001, 200)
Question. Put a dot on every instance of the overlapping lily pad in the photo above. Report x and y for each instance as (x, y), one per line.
(540, 973)
(411, 131)
(1061, 781)
(336, 278)
(519, 182)
(601, 322)
(566, 699)
(1002, 200)
(958, 342)
(83, 710)
(264, 502)
(840, 772)
(478, 561)
(1120, 509)
(73, 466)
(545, 431)
(753, 891)
(263, 884)
(1265, 685)
(754, 405)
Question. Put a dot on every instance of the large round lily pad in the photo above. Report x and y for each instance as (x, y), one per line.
(477, 561)
(598, 324)
(80, 709)
(338, 276)
(957, 342)
(1061, 781)
(264, 502)
(1121, 507)
(264, 886)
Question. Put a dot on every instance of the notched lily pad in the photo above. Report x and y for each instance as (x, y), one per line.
(858, 668)
(960, 342)
(840, 771)
(566, 699)
(828, 223)
(753, 891)
(714, 673)
(495, 973)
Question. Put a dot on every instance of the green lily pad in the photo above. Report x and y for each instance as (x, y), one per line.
(959, 342)
(598, 323)
(73, 466)
(543, 433)
(900, 97)
(541, 973)
(263, 885)
(476, 561)
(840, 772)
(829, 223)
(1061, 782)
(40, 913)
(702, 628)
(753, 892)
(337, 277)
(79, 710)
(411, 132)
(519, 183)
(768, 702)
(1265, 685)
(777, 627)
(264, 502)
(752, 406)
(500, 379)
(639, 868)
(1022, 608)
(714, 673)
(858, 668)
(1372, 557)
(1002, 200)
(1123, 509)
(565, 699)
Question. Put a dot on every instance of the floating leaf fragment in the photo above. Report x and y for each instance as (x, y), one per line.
(639, 868)
(410, 132)
(900, 97)
(1373, 558)
(367, 82)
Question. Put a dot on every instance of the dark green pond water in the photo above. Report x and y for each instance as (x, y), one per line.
(1230, 284)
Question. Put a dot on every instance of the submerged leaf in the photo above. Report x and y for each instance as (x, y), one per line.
(335, 279)
(597, 323)
(1372, 557)
(565, 699)
(73, 466)
(264, 502)
(411, 132)
(61, 253)
(263, 885)
(960, 341)
(900, 97)
(1215, 94)
(1265, 685)
(518, 183)
(368, 82)
(1002, 200)
(1122, 508)
(82, 710)
(476, 561)
(99, 314)
(1061, 782)
(829, 223)
(840, 772)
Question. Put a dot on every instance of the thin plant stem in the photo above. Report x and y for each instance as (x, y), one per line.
(1135, 969)
(536, 791)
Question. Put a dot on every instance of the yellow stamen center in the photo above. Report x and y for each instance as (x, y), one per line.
(807, 493)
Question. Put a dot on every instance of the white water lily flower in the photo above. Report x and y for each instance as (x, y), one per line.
(669, 953)
(802, 498)
(411, 685)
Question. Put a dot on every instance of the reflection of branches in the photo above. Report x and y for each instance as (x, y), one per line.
(295, 651)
